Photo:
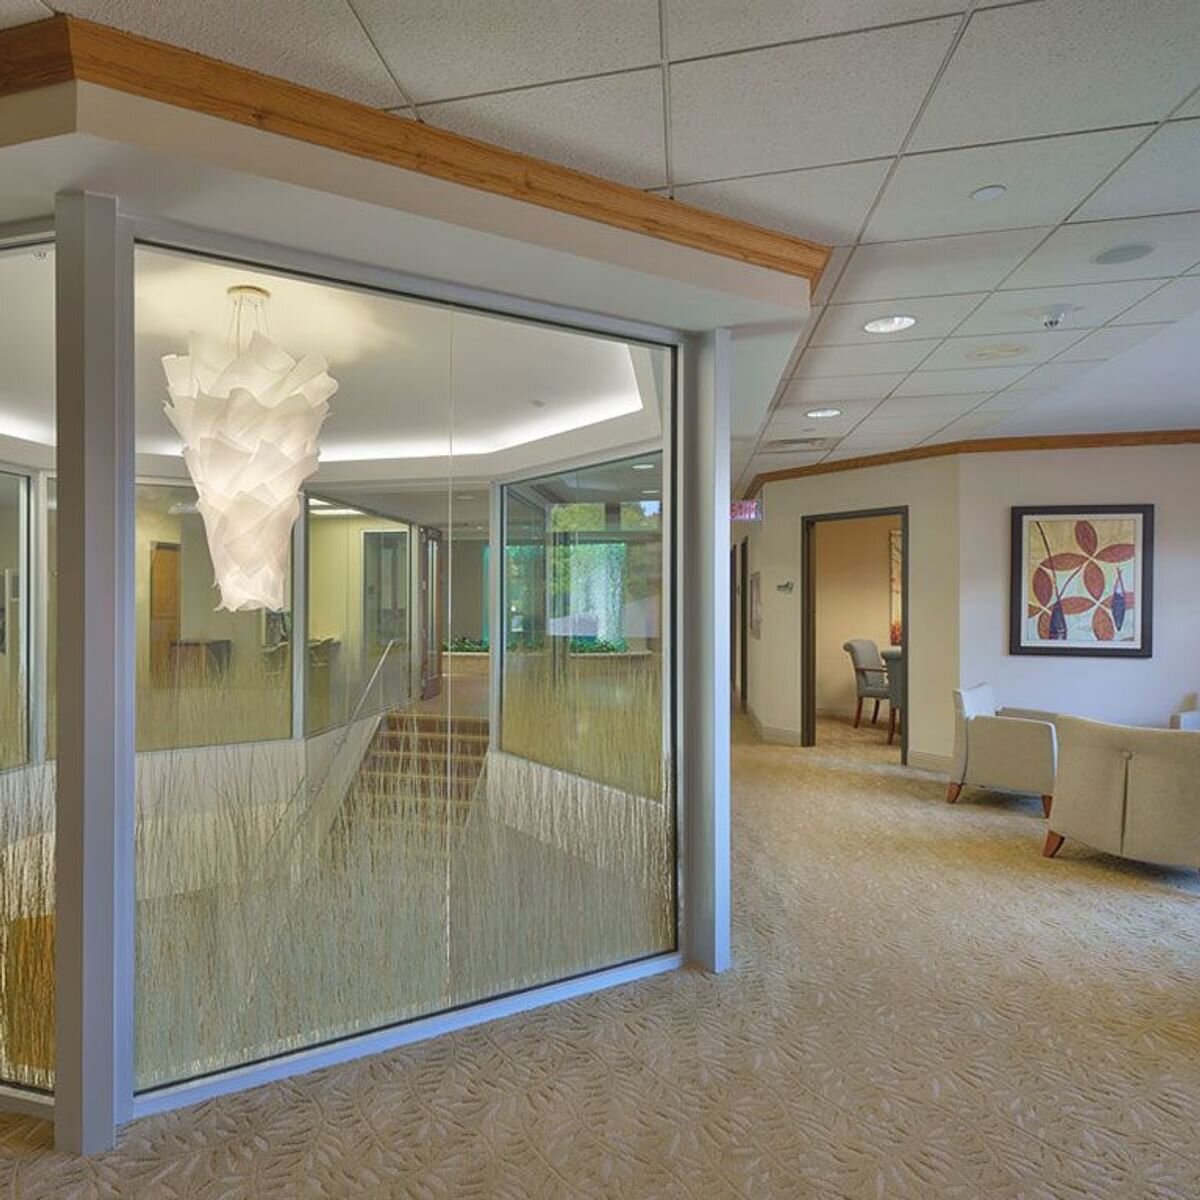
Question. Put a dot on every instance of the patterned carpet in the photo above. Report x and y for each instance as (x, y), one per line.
(922, 1007)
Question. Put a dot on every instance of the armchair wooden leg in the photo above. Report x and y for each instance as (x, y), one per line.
(1046, 802)
(1052, 844)
(858, 713)
(875, 714)
(953, 792)
(891, 724)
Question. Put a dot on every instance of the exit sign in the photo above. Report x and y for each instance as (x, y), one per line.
(745, 510)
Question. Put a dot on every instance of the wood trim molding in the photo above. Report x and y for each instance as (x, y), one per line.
(65, 48)
(1066, 441)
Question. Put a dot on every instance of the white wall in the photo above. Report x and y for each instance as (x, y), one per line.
(853, 577)
(959, 514)
(1143, 691)
(930, 490)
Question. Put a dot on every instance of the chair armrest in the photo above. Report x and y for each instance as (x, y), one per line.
(1027, 714)
(867, 672)
(1011, 753)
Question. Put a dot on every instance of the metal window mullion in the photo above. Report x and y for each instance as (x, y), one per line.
(95, 794)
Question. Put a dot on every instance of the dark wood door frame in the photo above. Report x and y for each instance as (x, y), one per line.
(808, 618)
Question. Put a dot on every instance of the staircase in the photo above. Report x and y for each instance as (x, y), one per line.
(423, 765)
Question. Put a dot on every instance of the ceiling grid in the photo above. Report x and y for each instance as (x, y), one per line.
(864, 125)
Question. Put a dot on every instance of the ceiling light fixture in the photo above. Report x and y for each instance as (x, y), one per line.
(643, 466)
(891, 324)
(989, 191)
(649, 491)
(249, 415)
(819, 414)
(998, 351)
(1126, 252)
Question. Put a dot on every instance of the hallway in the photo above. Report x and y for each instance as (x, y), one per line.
(922, 1007)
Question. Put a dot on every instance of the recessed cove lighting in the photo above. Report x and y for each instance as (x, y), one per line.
(1126, 252)
(818, 413)
(989, 191)
(893, 324)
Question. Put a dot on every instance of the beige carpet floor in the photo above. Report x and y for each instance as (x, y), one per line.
(922, 1007)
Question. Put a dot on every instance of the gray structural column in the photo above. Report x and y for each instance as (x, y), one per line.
(702, 584)
(94, 856)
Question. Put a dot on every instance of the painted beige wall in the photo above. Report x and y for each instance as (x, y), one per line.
(959, 514)
(1142, 691)
(852, 594)
(930, 490)
(467, 586)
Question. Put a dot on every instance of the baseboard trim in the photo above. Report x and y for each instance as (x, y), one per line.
(768, 733)
(26, 1103)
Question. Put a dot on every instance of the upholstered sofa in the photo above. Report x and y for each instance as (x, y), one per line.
(1127, 791)
(1005, 749)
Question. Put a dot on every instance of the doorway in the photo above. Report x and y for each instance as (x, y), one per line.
(854, 588)
(164, 608)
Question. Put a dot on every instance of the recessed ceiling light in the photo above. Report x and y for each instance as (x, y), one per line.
(464, 497)
(989, 191)
(1126, 252)
(643, 466)
(893, 324)
(818, 413)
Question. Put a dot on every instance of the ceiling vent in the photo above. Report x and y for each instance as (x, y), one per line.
(797, 445)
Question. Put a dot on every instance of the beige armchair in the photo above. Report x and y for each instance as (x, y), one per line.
(1131, 792)
(1008, 749)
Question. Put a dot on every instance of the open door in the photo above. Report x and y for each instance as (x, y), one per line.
(164, 608)
(432, 612)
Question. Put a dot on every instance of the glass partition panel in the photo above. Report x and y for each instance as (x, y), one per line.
(26, 647)
(334, 834)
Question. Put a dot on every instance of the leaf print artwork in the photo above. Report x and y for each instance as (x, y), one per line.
(1078, 572)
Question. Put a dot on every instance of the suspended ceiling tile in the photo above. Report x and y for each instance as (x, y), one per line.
(839, 389)
(792, 106)
(1000, 350)
(1023, 310)
(930, 194)
(969, 263)
(842, 324)
(1192, 107)
(954, 383)
(831, 274)
(610, 126)
(22, 12)
(941, 408)
(1108, 343)
(697, 27)
(1063, 66)
(463, 47)
(1051, 376)
(827, 204)
(863, 360)
(1162, 177)
(311, 42)
(1068, 255)
(1176, 300)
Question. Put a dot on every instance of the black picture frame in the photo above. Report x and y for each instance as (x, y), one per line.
(1143, 586)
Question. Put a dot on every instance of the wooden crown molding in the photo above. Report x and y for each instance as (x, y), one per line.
(1066, 441)
(62, 49)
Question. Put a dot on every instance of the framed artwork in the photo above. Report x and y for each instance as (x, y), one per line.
(755, 621)
(896, 587)
(1082, 580)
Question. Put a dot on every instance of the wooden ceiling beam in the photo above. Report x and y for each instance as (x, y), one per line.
(62, 48)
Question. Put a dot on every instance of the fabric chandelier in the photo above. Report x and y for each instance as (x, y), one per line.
(249, 415)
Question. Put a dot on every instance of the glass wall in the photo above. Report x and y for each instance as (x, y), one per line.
(337, 829)
(26, 656)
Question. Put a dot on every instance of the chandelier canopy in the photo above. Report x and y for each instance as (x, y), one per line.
(249, 416)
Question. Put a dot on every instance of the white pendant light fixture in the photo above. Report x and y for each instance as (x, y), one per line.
(249, 415)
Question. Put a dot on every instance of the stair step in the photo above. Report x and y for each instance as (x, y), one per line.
(437, 742)
(406, 763)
